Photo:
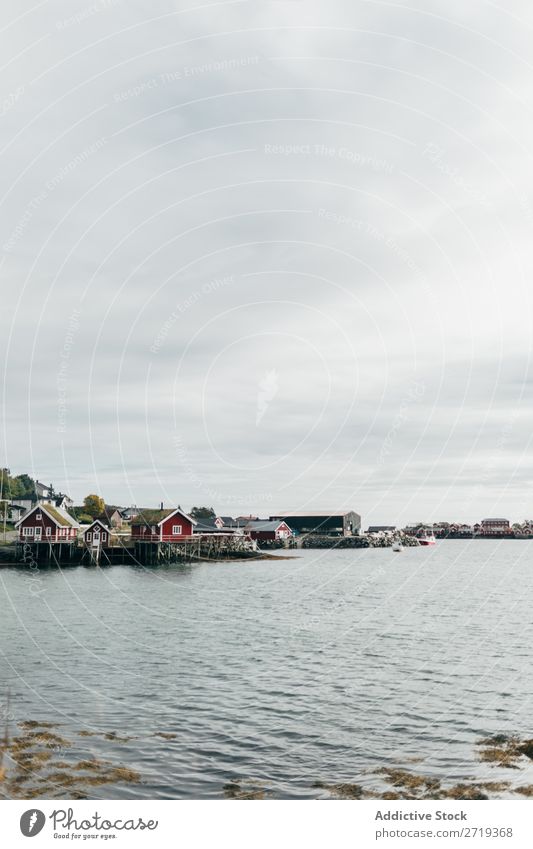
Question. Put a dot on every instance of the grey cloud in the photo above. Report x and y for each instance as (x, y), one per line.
(370, 163)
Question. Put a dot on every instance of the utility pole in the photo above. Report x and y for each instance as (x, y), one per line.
(4, 503)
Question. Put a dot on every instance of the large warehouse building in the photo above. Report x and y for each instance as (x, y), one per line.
(340, 523)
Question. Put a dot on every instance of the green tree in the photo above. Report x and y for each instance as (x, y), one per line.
(22, 486)
(94, 505)
(203, 513)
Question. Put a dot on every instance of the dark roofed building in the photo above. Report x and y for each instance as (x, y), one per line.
(211, 526)
(224, 521)
(334, 523)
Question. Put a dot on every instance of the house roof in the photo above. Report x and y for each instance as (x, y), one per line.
(97, 522)
(57, 514)
(60, 516)
(265, 525)
(206, 523)
(155, 517)
(226, 519)
(209, 527)
(108, 514)
(312, 513)
(495, 520)
(151, 517)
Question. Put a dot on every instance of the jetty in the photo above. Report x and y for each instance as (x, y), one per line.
(194, 548)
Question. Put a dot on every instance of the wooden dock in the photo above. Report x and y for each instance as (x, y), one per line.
(199, 547)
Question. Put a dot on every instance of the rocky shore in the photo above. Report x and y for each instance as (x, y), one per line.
(316, 541)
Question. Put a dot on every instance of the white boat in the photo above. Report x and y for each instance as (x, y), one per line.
(397, 546)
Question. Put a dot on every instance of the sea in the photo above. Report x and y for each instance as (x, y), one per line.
(292, 674)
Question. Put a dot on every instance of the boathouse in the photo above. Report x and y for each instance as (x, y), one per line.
(264, 531)
(162, 526)
(46, 523)
(97, 535)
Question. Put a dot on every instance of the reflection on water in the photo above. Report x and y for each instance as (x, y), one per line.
(294, 677)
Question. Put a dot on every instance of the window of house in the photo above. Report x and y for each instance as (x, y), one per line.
(89, 536)
(38, 517)
(27, 532)
(104, 536)
(49, 532)
(176, 530)
(154, 529)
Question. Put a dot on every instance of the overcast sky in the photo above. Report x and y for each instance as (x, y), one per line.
(270, 255)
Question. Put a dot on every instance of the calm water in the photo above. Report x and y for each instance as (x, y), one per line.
(319, 668)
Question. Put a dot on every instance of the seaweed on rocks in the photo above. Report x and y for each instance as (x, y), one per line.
(245, 789)
(505, 751)
(30, 767)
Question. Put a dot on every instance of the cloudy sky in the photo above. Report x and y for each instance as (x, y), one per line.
(270, 255)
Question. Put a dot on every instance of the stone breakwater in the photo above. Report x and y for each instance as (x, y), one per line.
(317, 541)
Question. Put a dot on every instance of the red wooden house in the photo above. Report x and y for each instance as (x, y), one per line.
(162, 526)
(97, 535)
(268, 531)
(46, 523)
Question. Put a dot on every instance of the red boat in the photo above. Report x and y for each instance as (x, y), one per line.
(427, 540)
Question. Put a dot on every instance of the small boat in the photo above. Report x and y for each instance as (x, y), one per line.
(427, 539)
(397, 546)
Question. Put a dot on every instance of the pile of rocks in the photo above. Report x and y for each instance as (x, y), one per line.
(364, 541)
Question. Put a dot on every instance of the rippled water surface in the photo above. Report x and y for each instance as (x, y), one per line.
(313, 669)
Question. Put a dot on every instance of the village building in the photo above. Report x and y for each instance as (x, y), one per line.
(211, 526)
(381, 529)
(62, 501)
(97, 535)
(112, 516)
(495, 527)
(47, 523)
(242, 521)
(162, 526)
(42, 491)
(19, 507)
(335, 523)
(131, 512)
(268, 531)
(224, 521)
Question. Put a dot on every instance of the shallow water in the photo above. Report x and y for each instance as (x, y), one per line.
(315, 669)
